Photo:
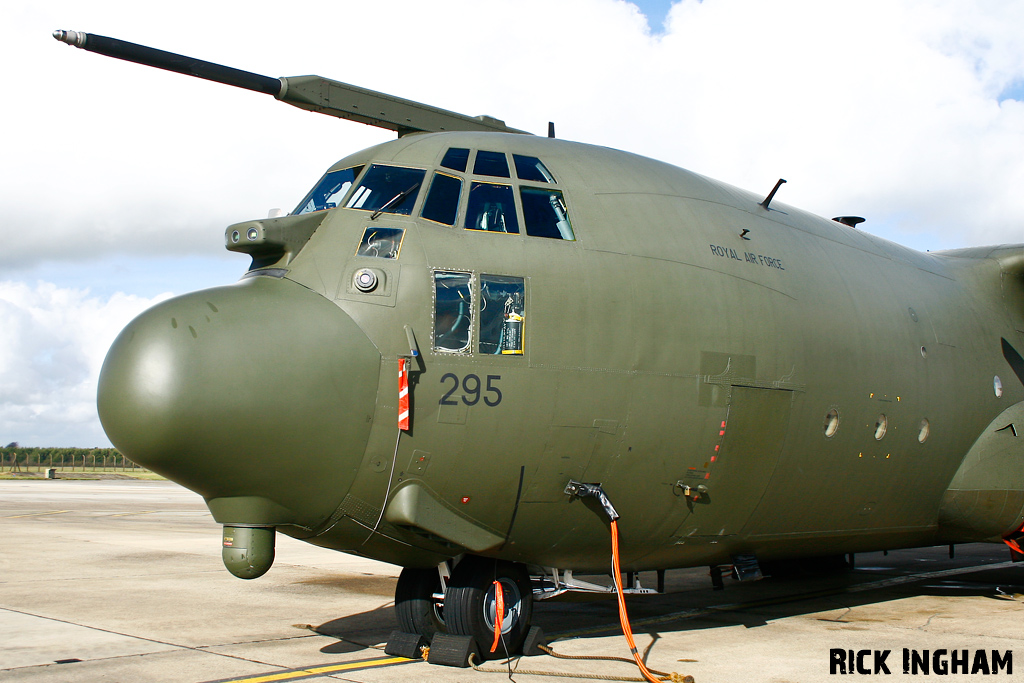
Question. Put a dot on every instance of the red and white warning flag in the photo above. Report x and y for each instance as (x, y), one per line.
(403, 396)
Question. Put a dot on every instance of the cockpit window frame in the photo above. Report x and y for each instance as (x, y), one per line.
(413, 208)
(472, 306)
(551, 190)
(471, 179)
(356, 178)
(465, 166)
(460, 203)
(520, 162)
(491, 161)
(517, 209)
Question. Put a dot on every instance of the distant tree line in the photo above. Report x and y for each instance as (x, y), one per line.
(13, 455)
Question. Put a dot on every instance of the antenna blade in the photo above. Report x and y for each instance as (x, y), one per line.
(771, 195)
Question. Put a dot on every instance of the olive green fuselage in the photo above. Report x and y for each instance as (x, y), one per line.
(741, 380)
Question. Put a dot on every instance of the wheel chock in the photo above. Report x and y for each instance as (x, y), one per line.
(449, 650)
(408, 645)
(534, 639)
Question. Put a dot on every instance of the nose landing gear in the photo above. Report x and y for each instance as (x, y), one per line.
(419, 602)
(467, 605)
(471, 600)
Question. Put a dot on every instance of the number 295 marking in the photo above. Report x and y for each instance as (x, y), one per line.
(472, 390)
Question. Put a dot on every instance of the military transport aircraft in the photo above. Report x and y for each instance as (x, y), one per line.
(466, 350)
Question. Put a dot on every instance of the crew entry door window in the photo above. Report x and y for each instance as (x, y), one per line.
(502, 315)
(453, 311)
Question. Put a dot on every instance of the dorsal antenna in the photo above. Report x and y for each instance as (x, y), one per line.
(771, 195)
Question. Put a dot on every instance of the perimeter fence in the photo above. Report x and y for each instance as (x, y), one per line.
(65, 460)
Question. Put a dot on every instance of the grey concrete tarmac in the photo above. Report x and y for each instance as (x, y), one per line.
(122, 581)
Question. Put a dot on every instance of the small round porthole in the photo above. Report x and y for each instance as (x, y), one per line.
(831, 423)
(926, 430)
(881, 424)
(252, 234)
(924, 352)
(997, 385)
(235, 236)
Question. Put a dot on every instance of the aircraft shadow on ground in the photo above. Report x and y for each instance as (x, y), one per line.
(359, 631)
(754, 604)
(747, 604)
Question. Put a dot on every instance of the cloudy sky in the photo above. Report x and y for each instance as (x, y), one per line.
(116, 181)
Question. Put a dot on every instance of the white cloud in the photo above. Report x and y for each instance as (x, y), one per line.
(52, 344)
(888, 109)
(883, 108)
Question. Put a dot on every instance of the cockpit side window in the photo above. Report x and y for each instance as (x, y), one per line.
(531, 168)
(387, 189)
(329, 191)
(453, 311)
(491, 163)
(456, 158)
(442, 202)
(380, 242)
(492, 208)
(545, 214)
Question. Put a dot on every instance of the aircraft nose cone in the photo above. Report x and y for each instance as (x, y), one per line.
(261, 391)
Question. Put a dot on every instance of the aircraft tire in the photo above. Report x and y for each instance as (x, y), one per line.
(470, 600)
(415, 609)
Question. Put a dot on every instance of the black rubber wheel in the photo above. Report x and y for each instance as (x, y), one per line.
(469, 604)
(416, 608)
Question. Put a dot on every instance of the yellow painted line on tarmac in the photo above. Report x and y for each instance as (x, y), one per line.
(129, 514)
(37, 514)
(315, 671)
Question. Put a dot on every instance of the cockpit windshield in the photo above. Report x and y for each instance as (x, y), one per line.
(387, 189)
(329, 191)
